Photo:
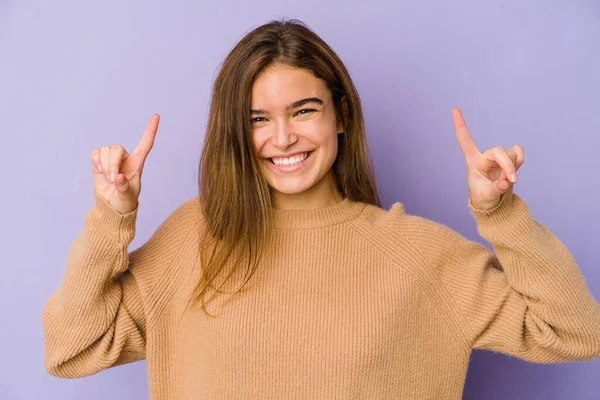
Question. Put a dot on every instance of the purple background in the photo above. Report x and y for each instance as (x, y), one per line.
(76, 75)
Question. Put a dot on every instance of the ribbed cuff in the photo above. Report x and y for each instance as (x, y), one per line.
(499, 213)
(510, 221)
(119, 227)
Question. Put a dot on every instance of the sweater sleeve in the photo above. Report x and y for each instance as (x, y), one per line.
(527, 299)
(97, 317)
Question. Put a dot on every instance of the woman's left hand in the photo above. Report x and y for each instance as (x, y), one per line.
(489, 174)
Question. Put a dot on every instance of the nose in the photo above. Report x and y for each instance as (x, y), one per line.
(284, 135)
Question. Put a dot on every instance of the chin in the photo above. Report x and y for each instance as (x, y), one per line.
(290, 187)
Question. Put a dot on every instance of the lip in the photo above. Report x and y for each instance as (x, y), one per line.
(287, 168)
(290, 155)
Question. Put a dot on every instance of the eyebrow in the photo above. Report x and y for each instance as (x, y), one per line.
(296, 104)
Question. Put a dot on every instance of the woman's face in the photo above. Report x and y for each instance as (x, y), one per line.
(294, 130)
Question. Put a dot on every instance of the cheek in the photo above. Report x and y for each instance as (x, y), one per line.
(319, 131)
(325, 138)
(259, 138)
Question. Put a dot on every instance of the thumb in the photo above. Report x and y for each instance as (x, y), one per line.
(502, 185)
(122, 184)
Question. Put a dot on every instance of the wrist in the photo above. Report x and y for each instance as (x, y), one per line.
(484, 206)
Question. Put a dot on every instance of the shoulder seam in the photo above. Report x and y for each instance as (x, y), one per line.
(153, 305)
(457, 319)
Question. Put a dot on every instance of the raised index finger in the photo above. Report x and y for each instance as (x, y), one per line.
(463, 136)
(145, 145)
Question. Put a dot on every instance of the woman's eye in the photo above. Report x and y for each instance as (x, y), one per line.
(300, 112)
(305, 111)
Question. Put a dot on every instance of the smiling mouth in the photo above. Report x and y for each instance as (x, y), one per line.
(308, 153)
(290, 168)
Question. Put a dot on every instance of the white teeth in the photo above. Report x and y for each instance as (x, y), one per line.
(290, 161)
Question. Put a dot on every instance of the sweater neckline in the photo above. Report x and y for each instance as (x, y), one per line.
(343, 211)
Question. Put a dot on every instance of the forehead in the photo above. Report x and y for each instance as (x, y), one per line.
(280, 85)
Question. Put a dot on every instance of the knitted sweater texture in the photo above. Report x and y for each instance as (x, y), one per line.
(349, 302)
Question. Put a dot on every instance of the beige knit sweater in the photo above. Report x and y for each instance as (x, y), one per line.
(351, 302)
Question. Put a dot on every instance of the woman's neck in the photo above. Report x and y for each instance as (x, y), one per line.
(323, 194)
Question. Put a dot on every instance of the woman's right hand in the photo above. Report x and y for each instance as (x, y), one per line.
(117, 174)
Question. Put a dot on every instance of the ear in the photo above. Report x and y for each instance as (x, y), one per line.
(342, 115)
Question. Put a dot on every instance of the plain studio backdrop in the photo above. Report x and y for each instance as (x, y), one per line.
(77, 75)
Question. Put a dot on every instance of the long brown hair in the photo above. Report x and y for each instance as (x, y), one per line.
(235, 197)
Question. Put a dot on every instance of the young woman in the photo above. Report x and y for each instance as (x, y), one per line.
(285, 279)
